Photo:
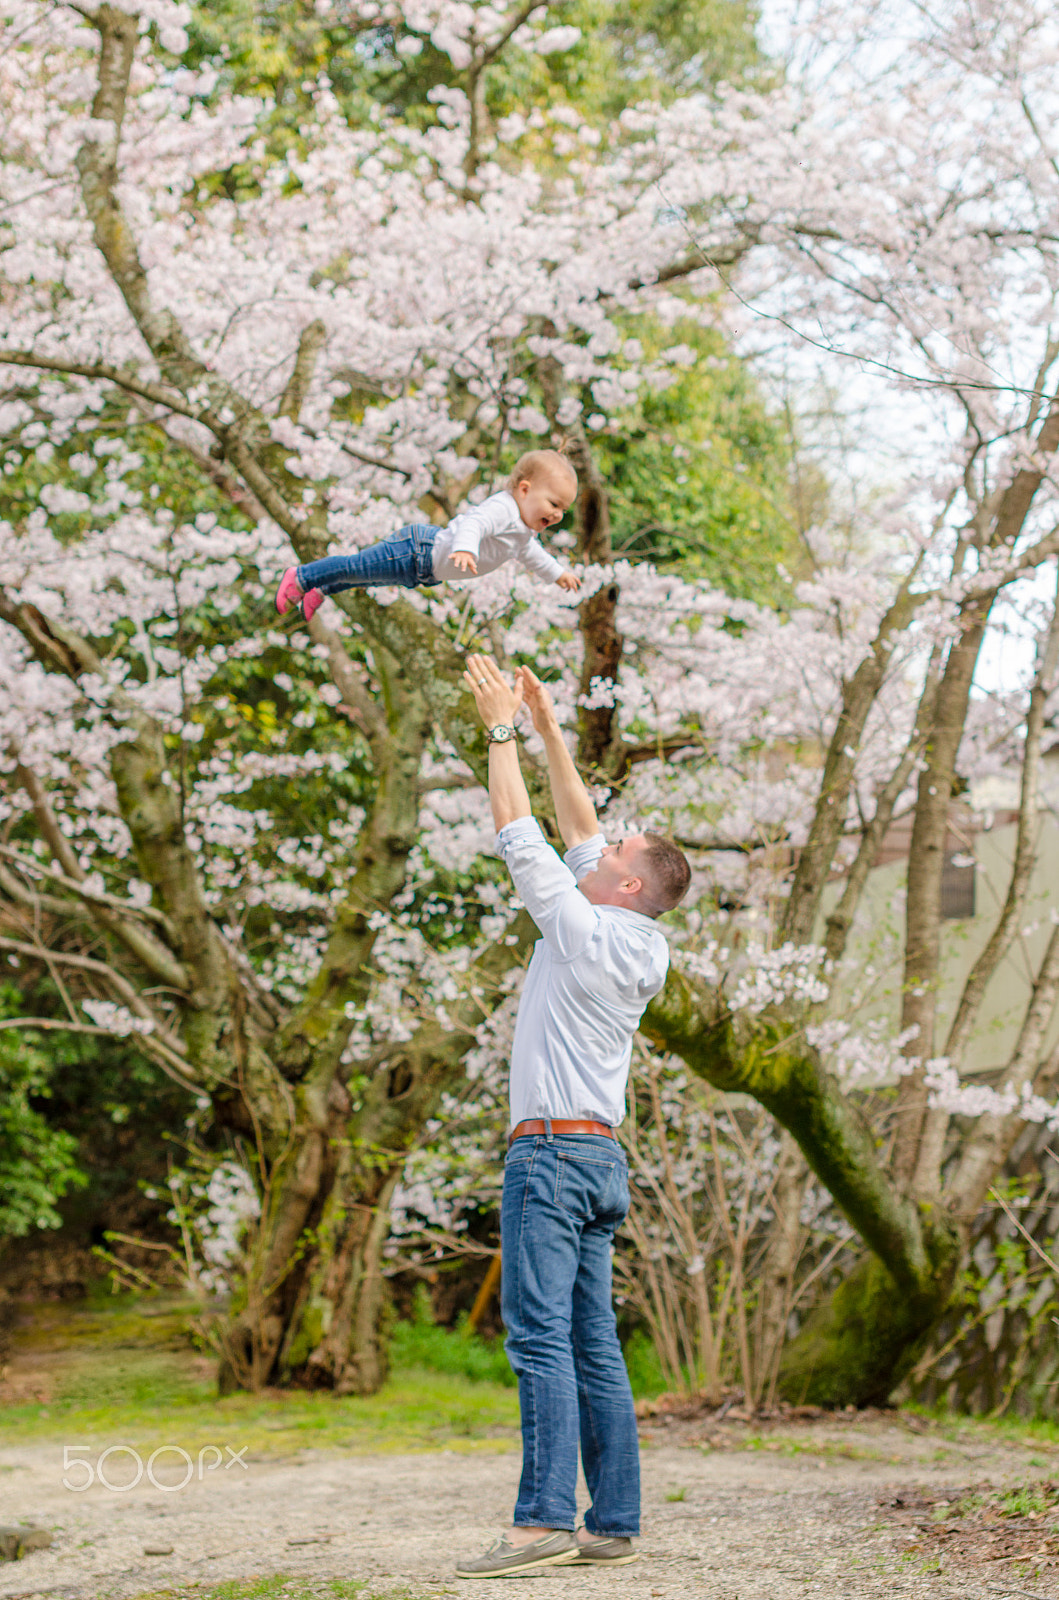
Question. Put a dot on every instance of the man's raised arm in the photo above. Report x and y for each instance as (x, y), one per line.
(497, 705)
(574, 811)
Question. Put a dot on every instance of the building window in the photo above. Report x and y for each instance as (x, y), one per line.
(957, 885)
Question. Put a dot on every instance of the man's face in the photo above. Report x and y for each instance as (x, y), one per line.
(617, 879)
(543, 502)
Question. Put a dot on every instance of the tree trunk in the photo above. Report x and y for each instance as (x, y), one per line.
(907, 1286)
(858, 1343)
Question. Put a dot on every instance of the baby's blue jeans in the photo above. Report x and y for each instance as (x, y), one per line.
(405, 558)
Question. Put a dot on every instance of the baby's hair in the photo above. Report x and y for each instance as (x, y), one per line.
(534, 462)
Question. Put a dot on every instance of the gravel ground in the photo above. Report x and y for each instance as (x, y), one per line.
(801, 1510)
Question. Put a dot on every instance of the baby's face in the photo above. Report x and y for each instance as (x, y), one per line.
(543, 502)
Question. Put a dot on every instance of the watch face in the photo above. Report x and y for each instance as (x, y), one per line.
(501, 734)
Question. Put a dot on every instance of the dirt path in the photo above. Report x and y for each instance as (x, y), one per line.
(802, 1511)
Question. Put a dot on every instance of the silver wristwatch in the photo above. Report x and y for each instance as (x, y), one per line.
(501, 733)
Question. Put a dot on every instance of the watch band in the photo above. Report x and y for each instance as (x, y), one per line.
(502, 733)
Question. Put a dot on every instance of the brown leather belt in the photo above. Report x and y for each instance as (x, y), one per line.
(560, 1126)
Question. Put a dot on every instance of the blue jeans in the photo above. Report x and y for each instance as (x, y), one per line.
(564, 1197)
(405, 557)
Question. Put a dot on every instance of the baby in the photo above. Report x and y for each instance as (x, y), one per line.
(503, 528)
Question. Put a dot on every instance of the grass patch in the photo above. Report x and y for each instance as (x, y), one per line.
(644, 1368)
(1015, 1430)
(824, 1448)
(458, 1351)
(1031, 1501)
(129, 1375)
(415, 1410)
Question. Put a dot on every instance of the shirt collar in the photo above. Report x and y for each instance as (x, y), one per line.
(627, 911)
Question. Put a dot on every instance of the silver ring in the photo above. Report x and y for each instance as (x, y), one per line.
(480, 682)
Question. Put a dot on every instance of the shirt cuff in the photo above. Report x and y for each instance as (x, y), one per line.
(514, 832)
(581, 858)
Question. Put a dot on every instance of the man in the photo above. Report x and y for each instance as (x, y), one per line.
(599, 961)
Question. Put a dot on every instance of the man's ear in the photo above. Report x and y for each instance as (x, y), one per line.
(631, 885)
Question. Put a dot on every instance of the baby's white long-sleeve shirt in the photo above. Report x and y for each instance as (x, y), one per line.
(493, 533)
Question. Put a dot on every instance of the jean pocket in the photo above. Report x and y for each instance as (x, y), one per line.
(588, 1187)
(423, 544)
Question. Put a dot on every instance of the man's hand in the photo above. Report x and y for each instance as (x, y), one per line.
(568, 580)
(537, 698)
(574, 811)
(496, 701)
(465, 561)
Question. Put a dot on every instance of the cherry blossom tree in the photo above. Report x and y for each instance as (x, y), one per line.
(255, 849)
(387, 376)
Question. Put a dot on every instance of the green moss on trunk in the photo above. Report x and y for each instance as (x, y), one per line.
(859, 1342)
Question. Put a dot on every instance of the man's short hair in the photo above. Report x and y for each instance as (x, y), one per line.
(528, 468)
(666, 873)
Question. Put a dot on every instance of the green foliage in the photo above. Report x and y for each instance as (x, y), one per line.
(698, 472)
(629, 52)
(100, 1106)
(459, 1351)
(643, 1366)
(421, 1343)
(37, 1161)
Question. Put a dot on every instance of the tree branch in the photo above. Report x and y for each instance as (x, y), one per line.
(859, 695)
(92, 896)
(760, 1057)
(840, 920)
(17, 891)
(312, 341)
(100, 371)
(936, 780)
(993, 1135)
(140, 942)
(363, 707)
(1028, 830)
(121, 987)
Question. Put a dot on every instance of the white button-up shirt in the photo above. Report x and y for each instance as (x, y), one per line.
(592, 974)
(493, 533)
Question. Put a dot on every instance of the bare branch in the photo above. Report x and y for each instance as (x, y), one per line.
(376, 461)
(993, 1135)
(1030, 1240)
(840, 920)
(1025, 847)
(151, 1046)
(109, 912)
(145, 389)
(858, 697)
(92, 896)
(130, 996)
(522, 15)
(17, 891)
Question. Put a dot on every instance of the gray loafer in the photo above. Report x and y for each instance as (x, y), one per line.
(605, 1553)
(550, 1550)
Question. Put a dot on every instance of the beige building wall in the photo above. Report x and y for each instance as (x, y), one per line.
(876, 944)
